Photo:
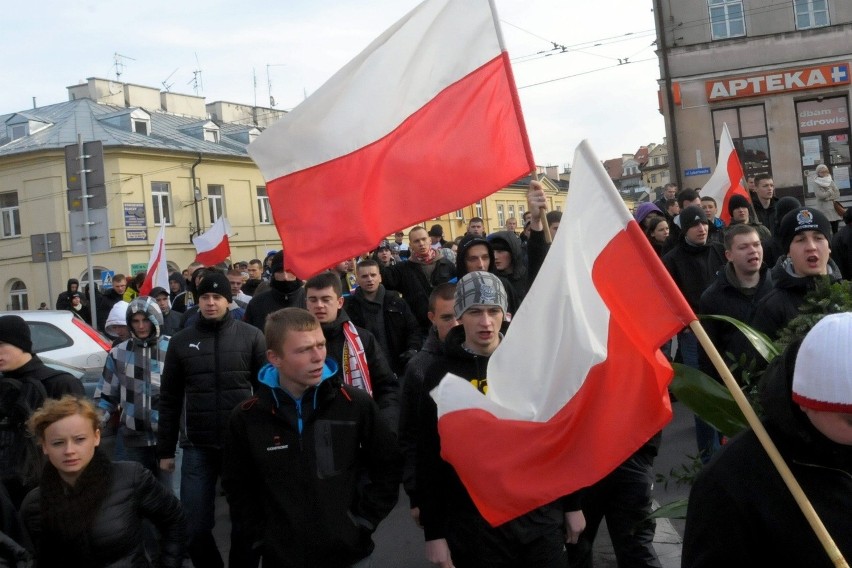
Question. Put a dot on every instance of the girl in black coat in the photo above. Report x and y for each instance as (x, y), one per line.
(89, 511)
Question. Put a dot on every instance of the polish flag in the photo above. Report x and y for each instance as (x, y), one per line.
(727, 179)
(212, 247)
(158, 270)
(424, 121)
(579, 383)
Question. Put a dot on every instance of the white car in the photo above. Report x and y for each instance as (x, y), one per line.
(65, 338)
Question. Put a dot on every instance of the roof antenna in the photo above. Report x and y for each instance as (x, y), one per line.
(118, 63)
(269, 82)
(166, 84)
(197, 83)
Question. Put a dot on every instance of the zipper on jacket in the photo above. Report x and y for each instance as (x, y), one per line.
(299, 421)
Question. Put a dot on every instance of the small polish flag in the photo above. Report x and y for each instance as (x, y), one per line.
(727, 179)
(158, 270)
(212, 247)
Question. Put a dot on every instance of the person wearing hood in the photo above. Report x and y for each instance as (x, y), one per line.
(210, 368)
(805, 234)
(806, 397)
(177, 292)
(63, 301)
(171, 319)
(509, 263)
(826, 192)
(476, 253)
(300, 506)
(130, 384)
(282, 292)
(356, 351)
(115, 326)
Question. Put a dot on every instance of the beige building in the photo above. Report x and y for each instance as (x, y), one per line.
(777, 73)
(168, 159)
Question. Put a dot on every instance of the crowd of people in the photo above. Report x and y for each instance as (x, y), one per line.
(308, 402)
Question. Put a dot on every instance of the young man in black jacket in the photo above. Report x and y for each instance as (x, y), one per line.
(311, 469)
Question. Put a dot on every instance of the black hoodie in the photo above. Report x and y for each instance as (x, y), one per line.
(518, 279)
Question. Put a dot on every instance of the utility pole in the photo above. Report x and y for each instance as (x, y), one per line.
(87, 229)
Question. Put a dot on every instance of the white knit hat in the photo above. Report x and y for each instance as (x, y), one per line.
(822, 379)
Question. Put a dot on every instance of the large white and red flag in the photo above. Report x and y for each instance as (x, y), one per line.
(424, 121)
(578, 383)
(158, 270)
(212, 246)
(727, 178)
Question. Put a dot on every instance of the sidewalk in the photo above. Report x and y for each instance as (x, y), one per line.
(667, 543)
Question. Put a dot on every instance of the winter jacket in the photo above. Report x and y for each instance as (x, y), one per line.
(63, 301)
(56, 383)
(408, 279)
(444, 501)
(209, 369)
(390, 320)
(279, 295)
(782, 303)
(512, 300)
(384, 381)
(309, 479)
(693, 267)
(115, 539)
(740, 511)
(766, 215)
(841, 250)
(131, 378)
(724, 297)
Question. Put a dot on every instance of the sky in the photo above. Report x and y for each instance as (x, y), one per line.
(246, 52)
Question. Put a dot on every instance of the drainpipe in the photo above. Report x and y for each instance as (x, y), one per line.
(196, 194)
(674, 151)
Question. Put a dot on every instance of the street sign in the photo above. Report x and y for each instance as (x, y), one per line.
(51, 242)
(98, 231)
(106, 279)
(696, 172)
(95, 180)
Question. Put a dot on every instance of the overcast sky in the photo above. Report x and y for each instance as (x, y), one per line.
(289, 48)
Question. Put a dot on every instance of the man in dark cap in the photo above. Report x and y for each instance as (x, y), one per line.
(283, 291)
(18, 360)
(805, 235)
(693, 263)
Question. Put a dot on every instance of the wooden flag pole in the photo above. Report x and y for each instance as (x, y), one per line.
(548, 238)
(756, 425)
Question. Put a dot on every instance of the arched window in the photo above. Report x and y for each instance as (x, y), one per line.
(97, 274)
(18, 298)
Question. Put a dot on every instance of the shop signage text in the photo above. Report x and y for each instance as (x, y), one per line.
(778, 82)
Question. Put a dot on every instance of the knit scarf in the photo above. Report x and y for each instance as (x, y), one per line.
(427, 258)
(356, 373)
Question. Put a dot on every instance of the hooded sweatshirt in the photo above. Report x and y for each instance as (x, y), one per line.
(131, 377)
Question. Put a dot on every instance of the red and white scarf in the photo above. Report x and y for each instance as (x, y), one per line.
(356, 373)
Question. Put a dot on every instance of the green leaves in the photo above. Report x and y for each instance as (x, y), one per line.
(767, 349)
(708, 399)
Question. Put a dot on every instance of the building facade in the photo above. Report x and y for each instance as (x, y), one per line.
(777, 73)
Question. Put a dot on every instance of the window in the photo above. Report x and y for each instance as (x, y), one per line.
(162, 201)
(521, 211)
(747, 126)
(653, 178)
(140, 127)
(10, 216)
(18, 299)
(479, 209)
(211, 135)
(824, 138)
(263, 214)
(460, 214)
(19, 131)
(511, 211)
(726, 18)
(810, 13)
(215, 201)
(501, 215)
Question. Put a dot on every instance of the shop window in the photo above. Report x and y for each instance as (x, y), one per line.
(824, 139)
(747, 126)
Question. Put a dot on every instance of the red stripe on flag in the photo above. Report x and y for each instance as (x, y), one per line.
(621, 404)
(735, 175)
(148, 284)
(462, 146)
(217, 254)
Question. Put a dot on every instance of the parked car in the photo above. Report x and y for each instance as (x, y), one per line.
(65, 338)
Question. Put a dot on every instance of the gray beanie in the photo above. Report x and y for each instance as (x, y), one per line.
(479, 289)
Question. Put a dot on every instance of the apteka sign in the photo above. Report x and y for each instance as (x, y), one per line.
(780, 81)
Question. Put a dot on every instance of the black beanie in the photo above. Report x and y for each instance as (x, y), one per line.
(802, 219)
(736, 202)
(15, 331)
(216, 283)
(692, 216)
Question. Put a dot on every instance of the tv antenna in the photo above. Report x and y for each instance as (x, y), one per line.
(269, 82)
(165, 83)
(118, 63)
(196, 82)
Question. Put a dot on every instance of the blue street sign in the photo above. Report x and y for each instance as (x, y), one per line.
(696, 172)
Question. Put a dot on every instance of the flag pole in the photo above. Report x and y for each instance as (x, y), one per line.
(548, 238)
(798, 494)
